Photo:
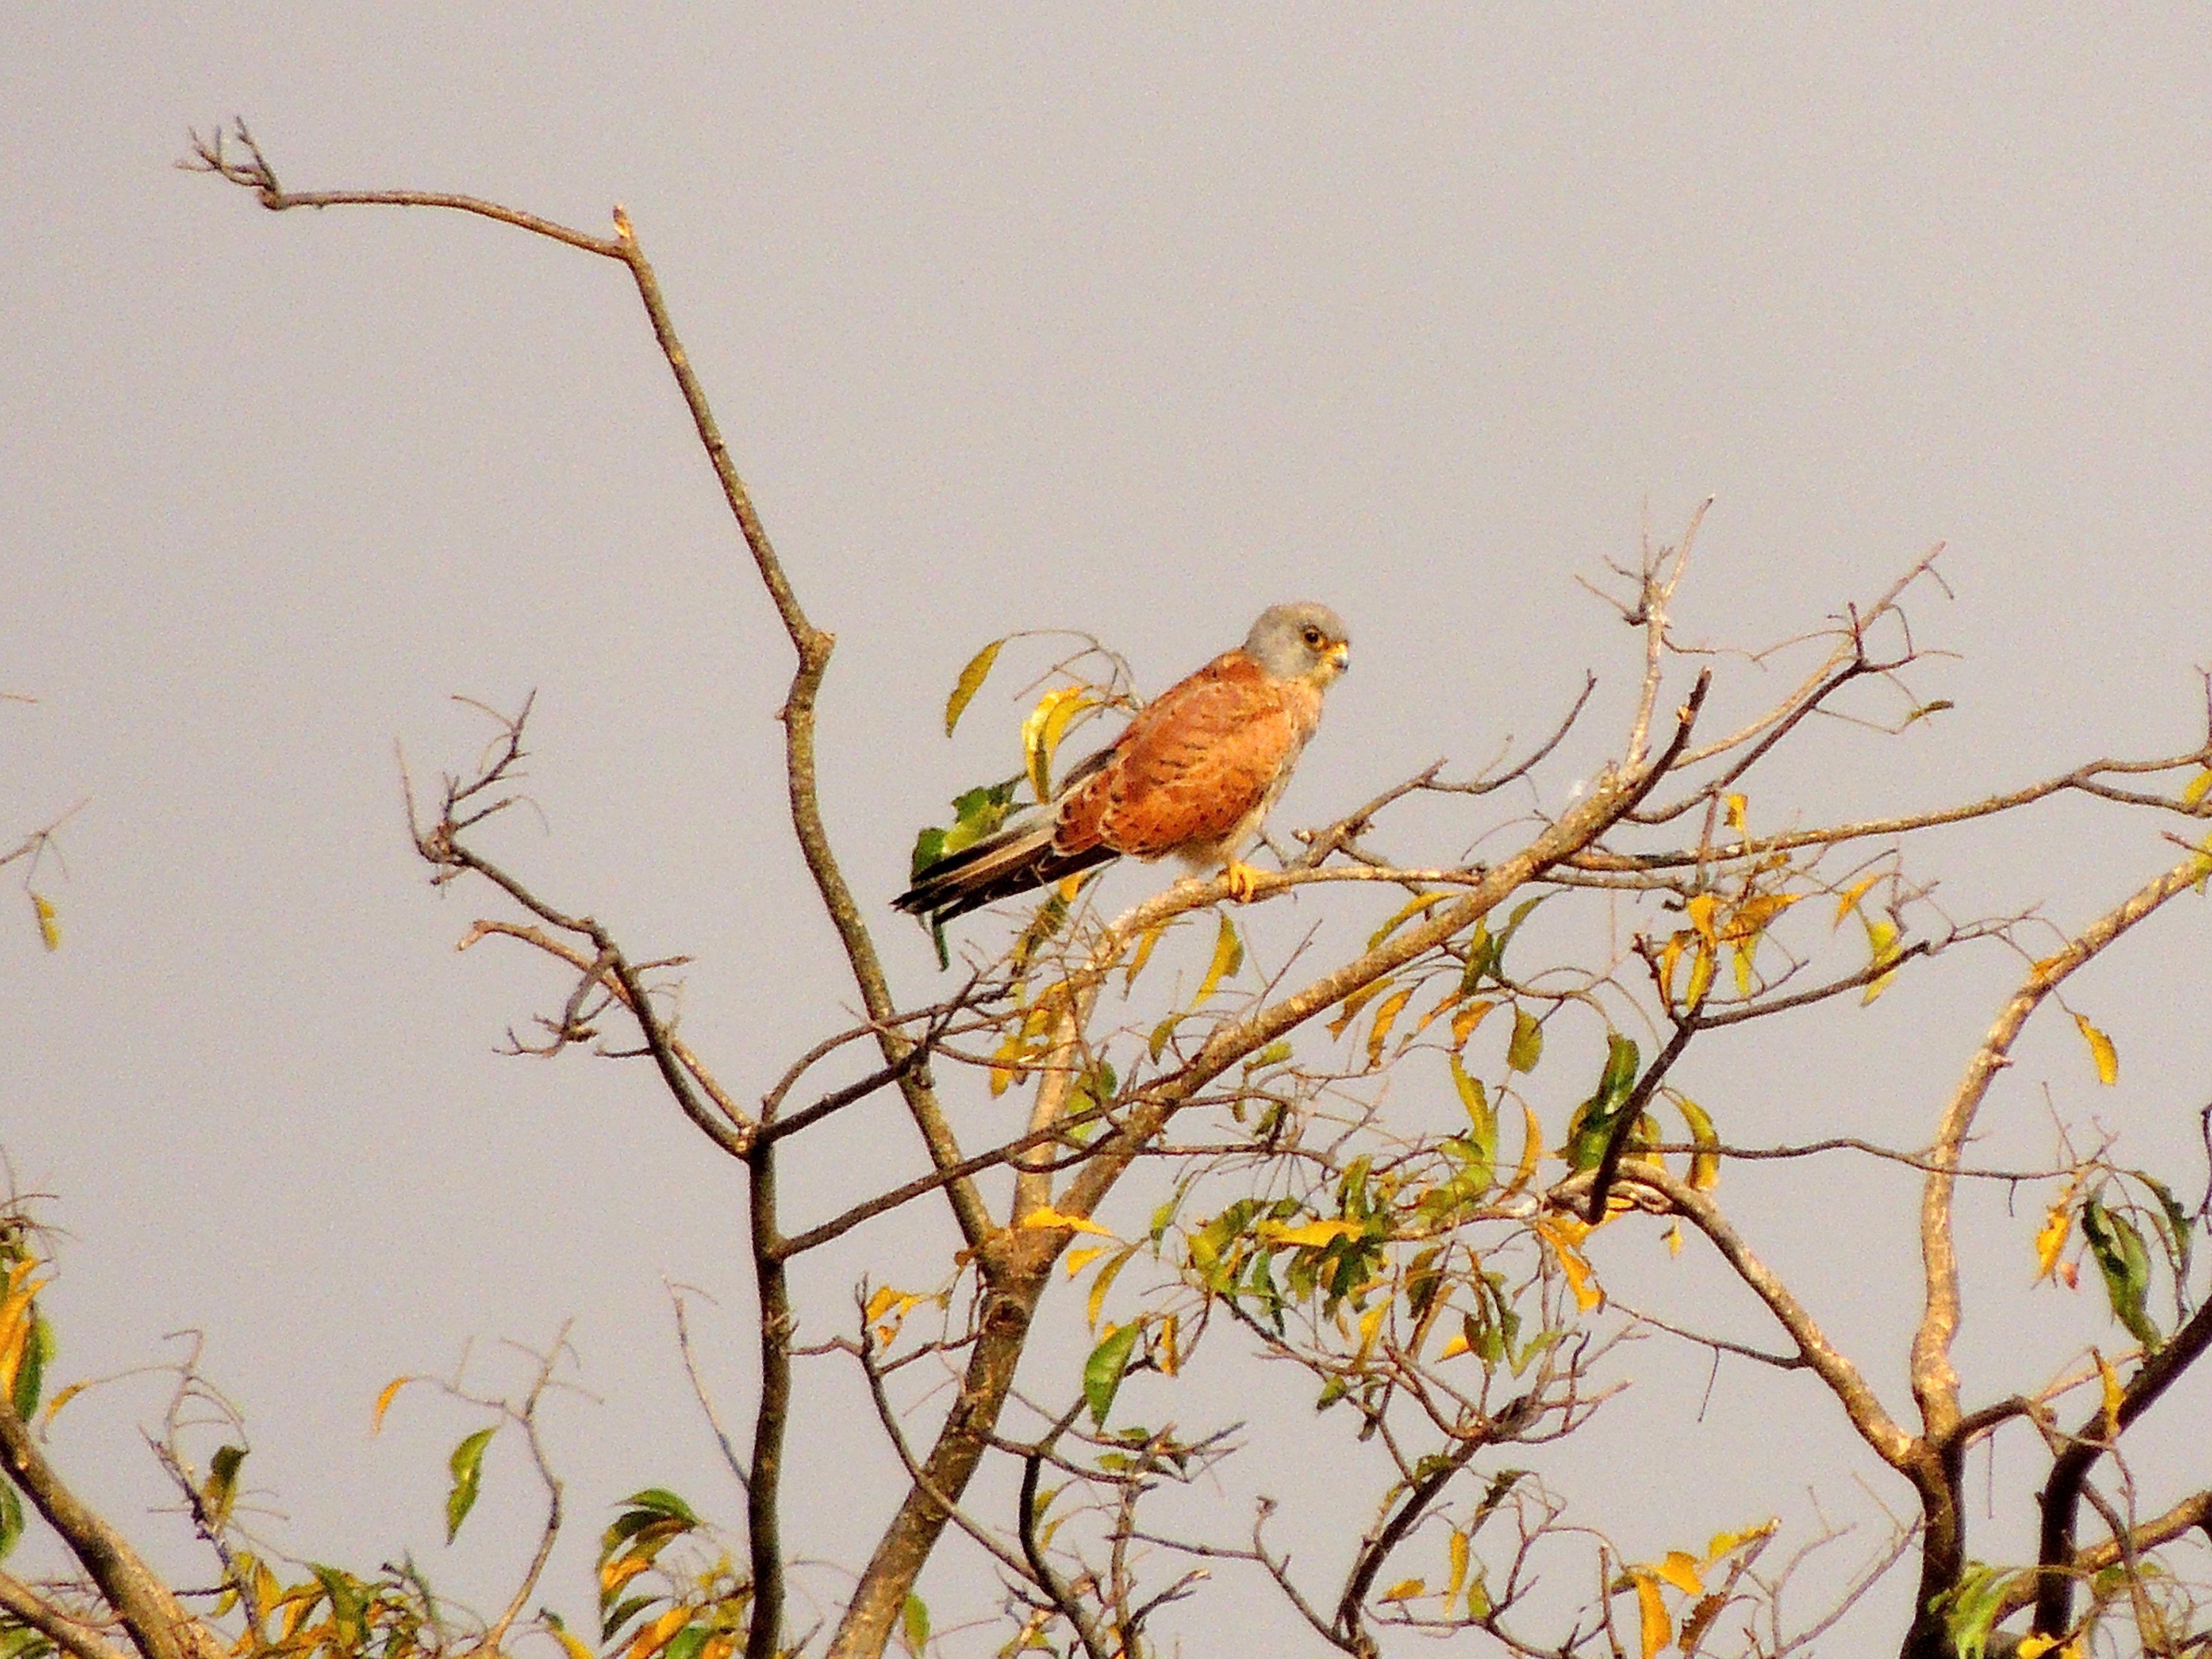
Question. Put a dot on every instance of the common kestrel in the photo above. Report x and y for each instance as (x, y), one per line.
(1193, 774)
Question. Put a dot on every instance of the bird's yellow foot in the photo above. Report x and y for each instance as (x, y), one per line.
(1244, 880)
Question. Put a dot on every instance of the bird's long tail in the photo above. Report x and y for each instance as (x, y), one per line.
(997, 868)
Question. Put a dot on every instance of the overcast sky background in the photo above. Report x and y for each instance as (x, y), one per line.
(1014, 318)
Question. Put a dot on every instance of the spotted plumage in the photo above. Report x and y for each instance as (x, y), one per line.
(1192, 776)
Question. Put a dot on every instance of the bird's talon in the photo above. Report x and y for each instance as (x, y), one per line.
(1244, 880)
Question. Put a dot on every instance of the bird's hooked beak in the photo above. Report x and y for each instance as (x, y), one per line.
(1339, 658)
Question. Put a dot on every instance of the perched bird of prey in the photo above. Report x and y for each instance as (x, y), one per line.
(1192, 774)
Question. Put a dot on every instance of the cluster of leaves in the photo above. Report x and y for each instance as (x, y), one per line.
(2116, 1227)
(654, 1600)
(27, 1347)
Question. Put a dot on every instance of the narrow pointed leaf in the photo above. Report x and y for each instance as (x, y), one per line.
(467, 1466)
(2101, 1050)
(1102, 1372)
(1527, 1046)
(970, 683)
(1228, 957)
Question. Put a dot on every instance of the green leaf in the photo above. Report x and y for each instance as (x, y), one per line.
(31, 1370)
(2125, 1262)
(1970, 1609)
(928, 850)
(347, 1602)
(2178, 1224)
(659, 1500)
(609, 1623)
(467, 1465)
(221, 1489)
(1161, 1033)
(914, 1626)
(970, 683)
(1481, 958)
(11, 1518)
(1102, 1372)
(976, 813)
(686, 1643)
(1527, 1046)
(1592, 1123)
(1618, 1078)
(1482, 1123)
(1485, 953)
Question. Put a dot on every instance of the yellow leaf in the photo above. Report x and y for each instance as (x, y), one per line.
(1370, 1325)
(1754, 915)
(1063, 716)
(1562, 1234)
(1705, 1165)
(574, 1646)
(2101, 1050)
(1680, 1569)
(1075, 1261)
(1043, 729)
(1658, 1629)
(1045, 1216)
(1722, 1542)
(1881, 939)
(2050, 1242)
(1107, 1275)
(1531, 1148)
(1673, 1237)
(1465, 1021)
(883, 1301)
(1314, 1235)
(1151, 937)
(1701, 910)
(383, 1402)
(1459, 1557)
(64, 1398)
(1406, 1589)
(1452, 1349)
(1670, 958)
(659, 1633)
(1171, 1355)
(1228, 957)
(1349, 1010)
(614, 1574)
(2199, 786)
(1451, 1000)
(1736, 804)
(1411, 908)
(970, 683)
(1386, 1016)
(50, 932)
(1742, 954)
(1847, 900)
(2114, 1396)
(266, 1590)
(1701, 976)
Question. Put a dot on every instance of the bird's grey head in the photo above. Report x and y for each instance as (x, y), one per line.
(1303, 642)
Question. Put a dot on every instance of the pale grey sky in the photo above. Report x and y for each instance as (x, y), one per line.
(1015, 317)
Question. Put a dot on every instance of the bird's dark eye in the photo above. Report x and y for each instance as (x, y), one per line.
(1313, 637)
